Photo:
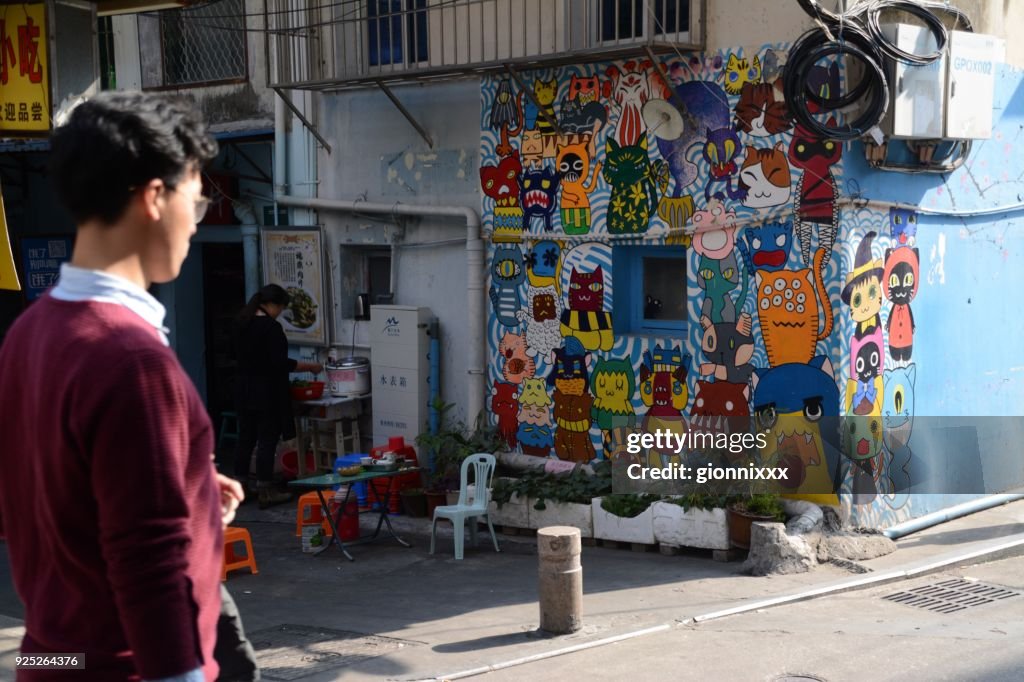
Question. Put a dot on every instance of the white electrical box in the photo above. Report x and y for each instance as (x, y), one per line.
(918, 96)
(973, 61)
(400, 371)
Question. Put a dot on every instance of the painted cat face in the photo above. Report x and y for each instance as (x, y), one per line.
(761, 111)
(569, 367)
(720, 150)
(545, 91)
(507, 266)
(585, 90)
(534, 414)
(789, 403)
(534, 393)
(866, 300)
(517, 364)
(713, 219)
(903, 226)
(630, 85)
(765, 173)
(739, 72)
(723, 344)
(807, 151)
(718, 277)
(501, 182)
(901, 274)
(721, 399)
(663, 381)
(613, 381)
(538, 191)
(770, 244)
(868, 362)
(503, 399)
(625, 166)
(533, 145)
(898, 396)
(586, 290)
(573, 163)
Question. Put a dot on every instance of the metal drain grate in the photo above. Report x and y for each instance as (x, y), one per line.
(951, 596)
(291, 652)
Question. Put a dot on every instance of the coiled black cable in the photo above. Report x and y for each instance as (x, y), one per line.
(922, 12)
(811, 48)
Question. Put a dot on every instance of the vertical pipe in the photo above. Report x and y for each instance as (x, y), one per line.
(250, 258)
(435, 385)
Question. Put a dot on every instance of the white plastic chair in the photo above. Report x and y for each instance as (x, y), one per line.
(483, 465)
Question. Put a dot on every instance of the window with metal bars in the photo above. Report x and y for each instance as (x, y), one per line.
(198, 46)
(627, 19)
(396, 31)
(105, 36)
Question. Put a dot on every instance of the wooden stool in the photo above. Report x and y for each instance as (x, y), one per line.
(311, 501)
(232, 561)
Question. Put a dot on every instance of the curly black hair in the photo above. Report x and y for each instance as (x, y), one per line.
(119, 141)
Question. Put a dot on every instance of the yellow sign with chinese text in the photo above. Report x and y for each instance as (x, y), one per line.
(8, 275)
(24, 70)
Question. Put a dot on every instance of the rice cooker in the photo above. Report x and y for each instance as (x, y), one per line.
(349, 376)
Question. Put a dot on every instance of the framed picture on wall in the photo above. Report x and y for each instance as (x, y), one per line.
(293, 258)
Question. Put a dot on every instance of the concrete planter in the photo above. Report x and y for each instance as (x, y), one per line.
(639, 529)
(706, 529)
(515, 513)
(563, 514)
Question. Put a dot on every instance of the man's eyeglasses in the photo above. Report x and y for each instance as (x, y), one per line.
(202, 205)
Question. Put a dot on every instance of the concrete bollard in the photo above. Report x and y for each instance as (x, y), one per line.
(561, 579)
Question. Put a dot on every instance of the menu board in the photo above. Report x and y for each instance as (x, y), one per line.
(41, 258)
(293, 258)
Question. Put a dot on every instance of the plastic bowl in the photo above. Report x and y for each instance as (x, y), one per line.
(367, 461)
(313, 391)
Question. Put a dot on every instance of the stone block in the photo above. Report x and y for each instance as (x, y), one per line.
(705, 529)
(610, 527)
(773, 552)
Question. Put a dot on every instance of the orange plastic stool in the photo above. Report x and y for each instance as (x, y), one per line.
(232, 561)
(311, 502)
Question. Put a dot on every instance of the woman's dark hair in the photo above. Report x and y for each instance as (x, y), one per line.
(116, 142)
(271, 293)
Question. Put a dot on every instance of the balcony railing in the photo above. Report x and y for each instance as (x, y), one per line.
(332, 45)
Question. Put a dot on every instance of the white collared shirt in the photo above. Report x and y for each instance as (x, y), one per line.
(80, 284)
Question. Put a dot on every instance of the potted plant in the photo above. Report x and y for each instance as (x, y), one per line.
(453, 442)
(537, 499)
(414, 502)
(745, 510)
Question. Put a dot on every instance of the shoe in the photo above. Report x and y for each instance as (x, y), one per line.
(268, 497)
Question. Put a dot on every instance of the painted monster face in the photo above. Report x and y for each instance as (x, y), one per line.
(863, 437)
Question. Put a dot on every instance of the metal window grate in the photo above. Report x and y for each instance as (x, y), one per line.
(204, 44)
(950, 596)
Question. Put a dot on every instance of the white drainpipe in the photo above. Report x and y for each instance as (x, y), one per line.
(474, 276)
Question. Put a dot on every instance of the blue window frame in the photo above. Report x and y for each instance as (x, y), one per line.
(650, 290)
(388, 43)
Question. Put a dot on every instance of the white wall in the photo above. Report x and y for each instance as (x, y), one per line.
(379, 157)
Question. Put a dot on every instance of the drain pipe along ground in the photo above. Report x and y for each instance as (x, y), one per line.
(474, 274)
(950, 513)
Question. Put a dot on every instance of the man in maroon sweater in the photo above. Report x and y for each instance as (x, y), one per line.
(109, 501)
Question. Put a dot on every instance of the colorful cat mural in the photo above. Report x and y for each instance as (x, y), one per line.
(765, 177)
(739, 71)
(728, 348)
(517, 364)
(577, 186)
(630, 90)
(613, 384)
(788, 309)
(501, 183)
(507, 275)
(899, 281)
(663, 390)
(903, 226)
(816, 190)
(573, 402)
(535, 433)
(505, 407)
(766, 247)
(586, 319)
(634, 197)
(762, 111)
(537, 196)
(720, 152)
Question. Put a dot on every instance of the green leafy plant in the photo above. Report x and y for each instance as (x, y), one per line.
(578, 487)
(628, 506)
(704, 501)
(455, 441)
(761, 504)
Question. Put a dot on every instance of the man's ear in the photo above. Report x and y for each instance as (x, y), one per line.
(153, 197)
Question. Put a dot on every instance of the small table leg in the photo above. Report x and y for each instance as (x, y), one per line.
(334, 522)
(383, 518)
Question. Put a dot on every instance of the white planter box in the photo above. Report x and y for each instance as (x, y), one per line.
(515, 513)
(707, 529)
(639, 529)
(563, 514)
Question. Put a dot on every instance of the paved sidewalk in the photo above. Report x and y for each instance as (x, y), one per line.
(410, 615)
